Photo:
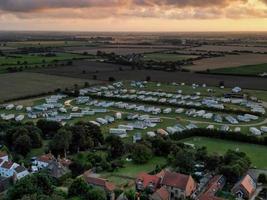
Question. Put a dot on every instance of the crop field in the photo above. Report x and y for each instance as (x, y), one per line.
(255, 70)
(228, 61)
(83, 69)
(24, 84)
(228, 48)
(117, 50)
(14, 59)
(256, 153)
(52, 43)
(165, 57)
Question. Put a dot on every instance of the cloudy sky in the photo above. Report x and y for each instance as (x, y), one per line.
(134, 15)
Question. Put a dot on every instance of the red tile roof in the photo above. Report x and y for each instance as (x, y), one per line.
(162, 193)
(2, 154)
(100, 182)
(148, 179)
(7, 164)
(213, 186)
(248, 184)
(46, 158)
(181, 181)
(175, 180)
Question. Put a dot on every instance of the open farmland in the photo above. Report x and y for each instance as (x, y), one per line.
(24, 84)
(166, 57)
(14, 59)
(256, 153)
(227, 61)
(228, 48)
(117, 50)
(83, 69)
(254, 70)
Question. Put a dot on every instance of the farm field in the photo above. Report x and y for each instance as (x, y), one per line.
(15, 59)
(117, 50)
(255, 70)
(165, 57)
(83, 69)
(52, 43)
(256, 153)
(16, 85)
(228, 61)
(229, 48)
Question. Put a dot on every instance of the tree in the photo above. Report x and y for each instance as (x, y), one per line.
(115, 146)
(61, 142)
(78, 187)
(183, 160)
(262, 179)
(141, 154)
(48, 128)
(39, 183)
(81, 140)
(22, 145)
(96, 194)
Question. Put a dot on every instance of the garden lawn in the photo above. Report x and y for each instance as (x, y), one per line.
(132, 170)
(256, 153)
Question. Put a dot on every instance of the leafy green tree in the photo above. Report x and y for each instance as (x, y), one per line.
(141, 154)
(115, 146)
(61, 142)
(39, 184)
(262, 178)
(96, 194)
(78, 187)
(48, 128)
(22, 145)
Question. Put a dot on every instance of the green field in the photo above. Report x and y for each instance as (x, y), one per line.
(256, 153)
(29, 59)
(46, 43)
(166, 57)
(22, 84)
(243, 70)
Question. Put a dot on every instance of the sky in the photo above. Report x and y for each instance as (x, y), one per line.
(134, 15)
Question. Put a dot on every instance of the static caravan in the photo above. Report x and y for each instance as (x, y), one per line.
(171, 130)
(10, 106)
(126, 127)
(118, 132)
(101, 121)
(19, 118)
(264, 129)
(255, 131)
(162, 132)
(95, 123)
(19, 107)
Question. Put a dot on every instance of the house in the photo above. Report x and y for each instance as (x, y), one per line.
(245, 188)
(160, 194)
(43, 161)
(213, 186)
(180, 186)
(145, 180)
(56, 169)
(20, 172)
(7, 168)
(109, 187)
(3, 156)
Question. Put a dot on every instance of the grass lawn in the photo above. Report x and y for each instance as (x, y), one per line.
(256, 153)
(132, 170)
(243, 70)
(165, 57)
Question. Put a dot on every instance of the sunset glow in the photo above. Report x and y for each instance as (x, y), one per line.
(134, 15)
